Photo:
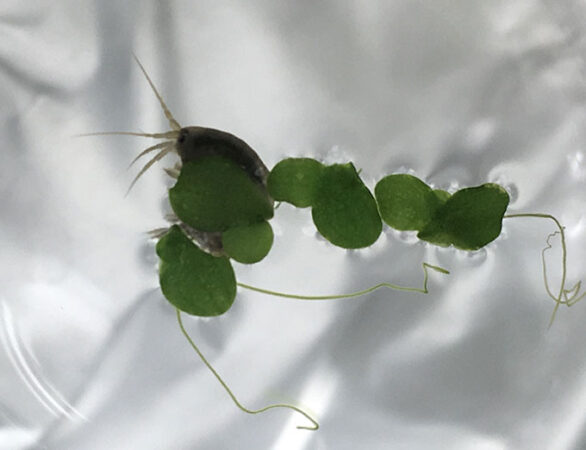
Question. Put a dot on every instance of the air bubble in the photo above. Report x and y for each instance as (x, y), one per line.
(335, 155)
(474, 258)
(454, 186)
(408, 237)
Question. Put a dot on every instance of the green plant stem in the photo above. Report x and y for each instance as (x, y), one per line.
(231, 394)
(423, 290)
(570, 295)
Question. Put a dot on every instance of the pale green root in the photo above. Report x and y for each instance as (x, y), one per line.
(564, 296)
(315, 425)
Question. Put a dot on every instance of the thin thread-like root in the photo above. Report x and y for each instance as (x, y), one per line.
(172, 122)
(148, 165)
(565, 296)
(423, 290)
(573, 301)
(315, 425)
(544, 264)
(575, 289)
(152, 148)
(570, 296)
(165, 135)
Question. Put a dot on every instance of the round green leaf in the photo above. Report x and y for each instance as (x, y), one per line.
(344, 210)
(248, 244)
(215, 193)
(470, 219)
(442, 195)
(405, 202)
(295, 181)
(194, 281)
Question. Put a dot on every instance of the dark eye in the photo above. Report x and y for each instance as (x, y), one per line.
(182, 136)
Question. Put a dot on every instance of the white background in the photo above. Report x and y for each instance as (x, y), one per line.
(458, 92)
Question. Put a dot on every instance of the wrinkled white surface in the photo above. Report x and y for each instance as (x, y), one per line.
(460, 92)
